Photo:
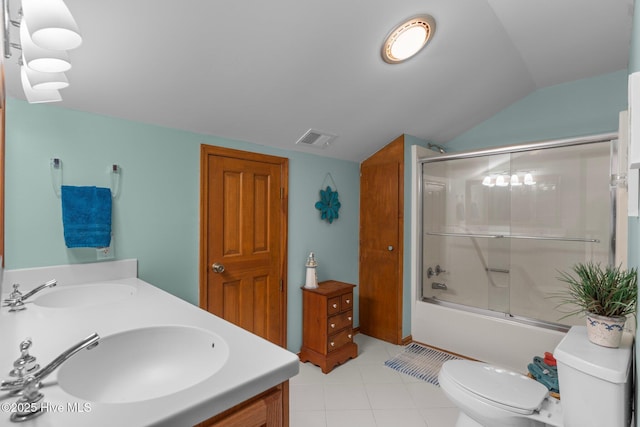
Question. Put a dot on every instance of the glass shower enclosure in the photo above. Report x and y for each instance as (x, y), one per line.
(499, 224)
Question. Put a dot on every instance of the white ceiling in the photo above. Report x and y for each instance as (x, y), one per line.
(267, 71)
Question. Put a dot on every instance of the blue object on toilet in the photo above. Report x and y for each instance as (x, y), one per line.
(86, 216)
(545, 374)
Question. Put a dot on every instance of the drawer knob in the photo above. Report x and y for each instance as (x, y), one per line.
(348, 301)
(333, 325)
(333, 344)
(350, 318)
(349, 336)
(335, 305)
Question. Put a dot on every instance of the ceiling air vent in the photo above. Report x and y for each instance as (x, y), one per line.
(316, 138)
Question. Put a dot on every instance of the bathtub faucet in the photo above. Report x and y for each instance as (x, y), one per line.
(439, 270)
(431, 272)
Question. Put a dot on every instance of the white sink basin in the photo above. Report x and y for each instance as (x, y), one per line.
(143, 364)
(84, 295)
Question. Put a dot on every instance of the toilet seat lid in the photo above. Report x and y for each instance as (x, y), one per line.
(507, 389)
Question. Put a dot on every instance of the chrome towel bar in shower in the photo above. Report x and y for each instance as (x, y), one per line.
(506, 236)
(496, 270)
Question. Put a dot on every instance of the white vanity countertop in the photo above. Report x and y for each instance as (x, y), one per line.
(253, 366)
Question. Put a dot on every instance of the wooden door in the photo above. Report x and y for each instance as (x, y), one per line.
(243, 231)
(380, 281)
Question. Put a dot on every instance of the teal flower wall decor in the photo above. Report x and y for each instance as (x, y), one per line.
(329, 205)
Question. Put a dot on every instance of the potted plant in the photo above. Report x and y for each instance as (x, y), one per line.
(605, 295)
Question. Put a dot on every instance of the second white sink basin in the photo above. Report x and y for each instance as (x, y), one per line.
(143, 364)
(84, 295)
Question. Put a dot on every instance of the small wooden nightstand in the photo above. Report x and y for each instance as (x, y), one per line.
(327, 329)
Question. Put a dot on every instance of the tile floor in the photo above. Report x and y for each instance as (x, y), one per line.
(365, 393)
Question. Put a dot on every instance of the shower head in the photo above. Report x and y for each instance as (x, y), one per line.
(435, 147)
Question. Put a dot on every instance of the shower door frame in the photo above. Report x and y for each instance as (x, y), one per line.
(510, 149)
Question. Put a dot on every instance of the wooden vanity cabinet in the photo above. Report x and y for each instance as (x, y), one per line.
(327, 330)
(268, 409)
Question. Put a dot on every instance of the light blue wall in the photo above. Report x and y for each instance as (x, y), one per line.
(155, 217)
(582, 107)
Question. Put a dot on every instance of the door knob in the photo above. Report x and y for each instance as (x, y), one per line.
(217, 268)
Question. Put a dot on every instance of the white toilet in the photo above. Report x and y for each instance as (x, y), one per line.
(595, 388)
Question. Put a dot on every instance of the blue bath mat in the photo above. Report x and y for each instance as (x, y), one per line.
(420, 362)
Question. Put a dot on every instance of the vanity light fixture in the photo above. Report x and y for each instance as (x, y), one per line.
(37, 96)
(487, 181)
(40, 59)
(51, 25)
(47, 31)
(408, 38)
(39, 80)
(515, 181)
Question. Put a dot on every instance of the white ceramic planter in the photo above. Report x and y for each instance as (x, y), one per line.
(605, 331)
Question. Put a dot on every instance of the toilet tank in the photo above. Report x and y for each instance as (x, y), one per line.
(595, 382)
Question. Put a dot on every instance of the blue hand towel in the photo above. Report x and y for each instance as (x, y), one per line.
(86, 216)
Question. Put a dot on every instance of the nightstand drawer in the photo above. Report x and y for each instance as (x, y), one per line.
(340, 321)
(333, 305)
(346, 301)
(340, 339)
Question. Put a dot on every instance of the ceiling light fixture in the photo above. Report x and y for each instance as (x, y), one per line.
(408, 38)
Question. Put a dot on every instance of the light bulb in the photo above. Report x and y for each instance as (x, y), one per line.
(528, 179)
(501, 181)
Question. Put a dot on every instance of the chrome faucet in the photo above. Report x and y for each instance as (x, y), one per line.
(30, 402)
(16, 298)
(26, 363)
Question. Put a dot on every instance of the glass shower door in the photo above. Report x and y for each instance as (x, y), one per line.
(567, 200)
(498, 229)
(461, 264)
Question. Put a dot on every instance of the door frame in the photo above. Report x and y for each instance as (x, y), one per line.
(205, 152)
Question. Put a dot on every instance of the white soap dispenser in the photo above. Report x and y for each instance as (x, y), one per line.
(312, 277)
